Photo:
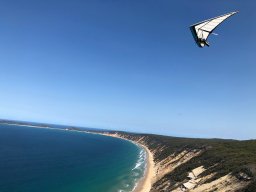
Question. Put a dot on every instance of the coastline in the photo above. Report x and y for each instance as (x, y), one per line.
(173, 152)
(145, 183)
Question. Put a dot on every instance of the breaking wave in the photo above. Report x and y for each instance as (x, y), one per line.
(130, 182)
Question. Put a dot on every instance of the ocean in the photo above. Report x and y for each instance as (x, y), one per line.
(55, 160)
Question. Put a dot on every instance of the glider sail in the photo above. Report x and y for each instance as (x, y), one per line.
(203, 29)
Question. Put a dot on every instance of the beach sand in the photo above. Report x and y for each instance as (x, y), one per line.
(145, 183)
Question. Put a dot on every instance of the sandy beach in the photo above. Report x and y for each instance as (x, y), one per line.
(144, 184)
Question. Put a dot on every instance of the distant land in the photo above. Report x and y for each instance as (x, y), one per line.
(189, 164)
(23, 123)
(45, 125)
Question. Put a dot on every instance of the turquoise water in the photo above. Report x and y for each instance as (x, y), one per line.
(33, 159)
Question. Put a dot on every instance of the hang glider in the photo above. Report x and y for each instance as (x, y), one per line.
(202, 30)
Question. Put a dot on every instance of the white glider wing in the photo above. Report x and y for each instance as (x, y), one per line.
(203, 29)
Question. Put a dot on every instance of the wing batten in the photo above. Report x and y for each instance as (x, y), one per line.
(203, 29)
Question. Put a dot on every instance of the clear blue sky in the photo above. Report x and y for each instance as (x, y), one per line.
(129, 65)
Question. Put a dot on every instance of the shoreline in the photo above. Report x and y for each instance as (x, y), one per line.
(180, 155)
(144, 184)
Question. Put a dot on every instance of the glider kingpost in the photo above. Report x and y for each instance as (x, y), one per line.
(202, 30)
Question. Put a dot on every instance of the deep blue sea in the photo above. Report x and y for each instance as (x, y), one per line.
(51, 160)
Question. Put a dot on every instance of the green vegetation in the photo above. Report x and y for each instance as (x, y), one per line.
(219, 156)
